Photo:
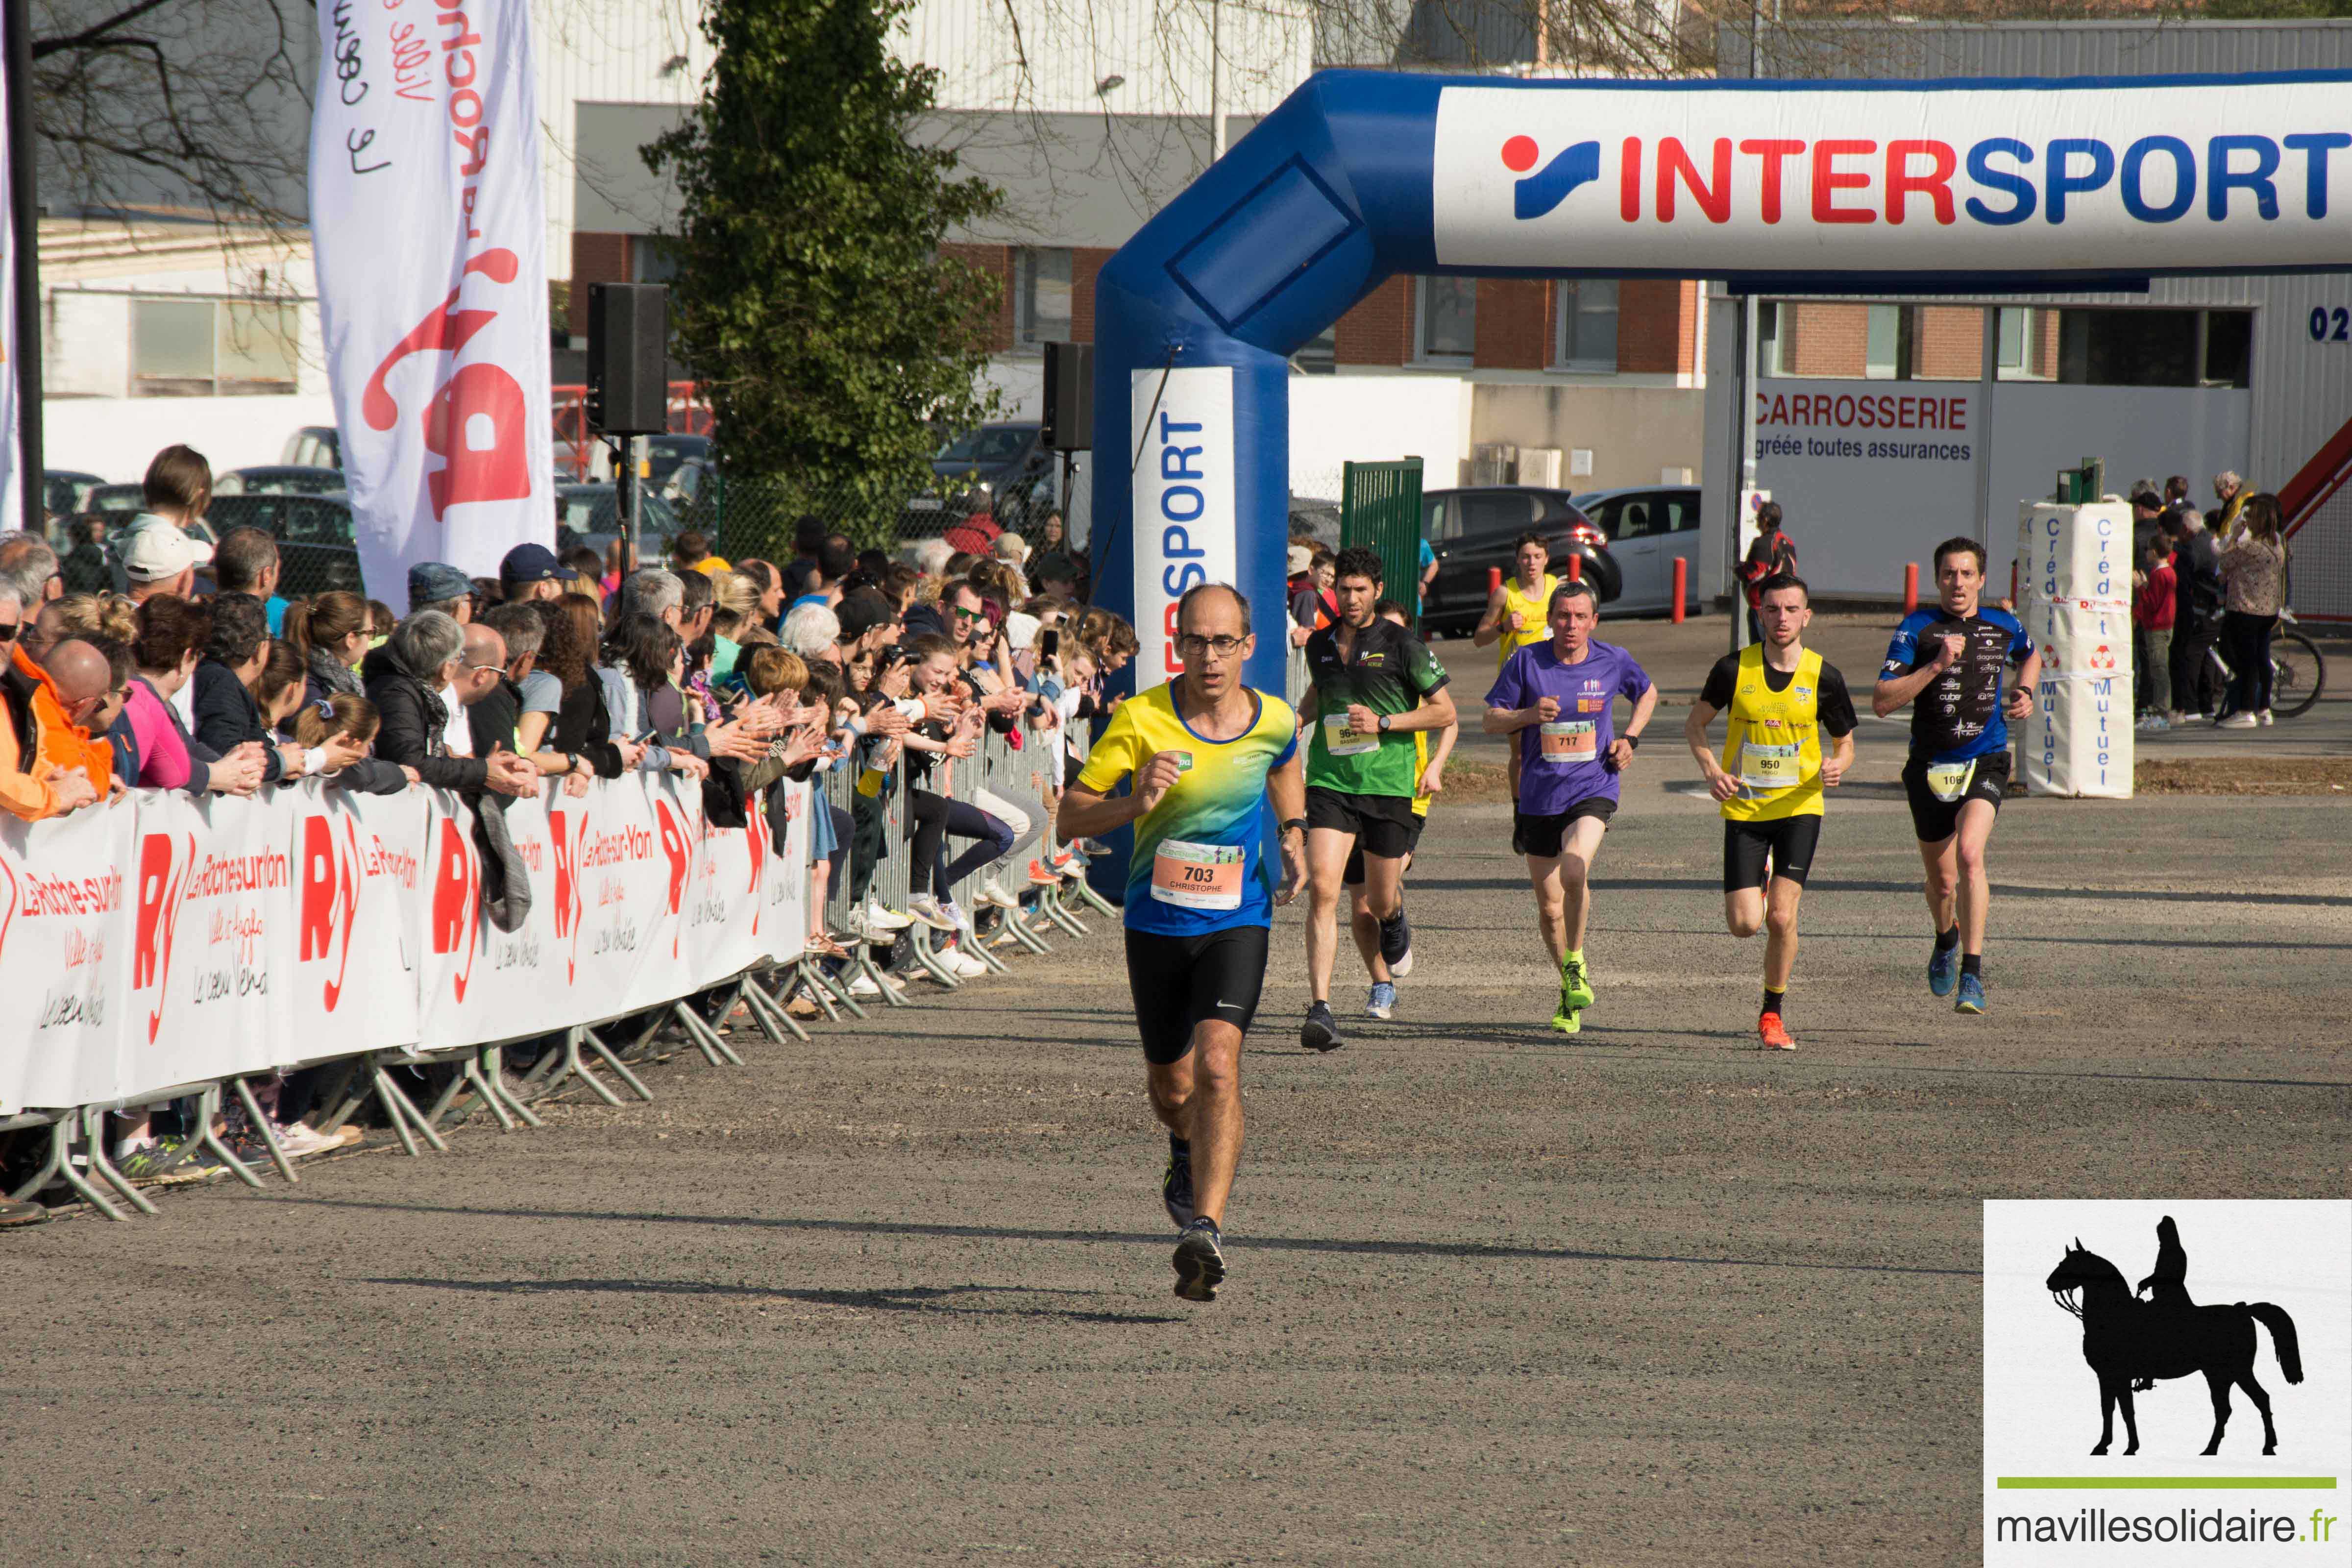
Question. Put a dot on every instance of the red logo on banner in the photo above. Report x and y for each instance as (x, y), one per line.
(475, 419)
(456, 895)
(755, 839)
(331, 898)
(681, 856)
(567, 887)
(162, 877)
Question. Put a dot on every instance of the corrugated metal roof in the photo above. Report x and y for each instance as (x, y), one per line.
(1929, 50)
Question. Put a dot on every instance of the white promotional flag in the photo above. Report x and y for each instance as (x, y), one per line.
(11, 432)
(426, 224)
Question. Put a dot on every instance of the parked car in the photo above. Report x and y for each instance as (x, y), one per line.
(665, 453)
(590, 515)
(127, 499)
(1474, 530)
(314, 446)
(1008, 463)
(279, 479)
(65, 491)
(1647, 526)
(316, 550)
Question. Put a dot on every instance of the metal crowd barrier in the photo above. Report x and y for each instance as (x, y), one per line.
(479, 1069)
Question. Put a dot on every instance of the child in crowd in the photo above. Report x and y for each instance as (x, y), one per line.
(2154, 590)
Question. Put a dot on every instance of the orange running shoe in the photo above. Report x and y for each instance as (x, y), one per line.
(1774, 1033)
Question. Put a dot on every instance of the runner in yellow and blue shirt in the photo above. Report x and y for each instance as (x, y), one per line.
(1204, 755)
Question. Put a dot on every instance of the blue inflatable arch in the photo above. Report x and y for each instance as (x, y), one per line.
(2089, 182)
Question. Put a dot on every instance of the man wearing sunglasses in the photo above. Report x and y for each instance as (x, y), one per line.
(1204, 754)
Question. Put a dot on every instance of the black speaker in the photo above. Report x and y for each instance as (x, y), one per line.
(1070, 397)
(629, 358)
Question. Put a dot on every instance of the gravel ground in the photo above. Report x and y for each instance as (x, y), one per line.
(1641, 1296)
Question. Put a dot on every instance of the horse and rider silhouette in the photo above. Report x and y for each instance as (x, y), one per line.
(2130, 1344)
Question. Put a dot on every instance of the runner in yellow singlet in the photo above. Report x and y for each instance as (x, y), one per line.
(1519, 613)
(1780, 696)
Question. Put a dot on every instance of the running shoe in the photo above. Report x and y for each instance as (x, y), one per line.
(1200, 1261)
(1566, 1020)
(1321, 1031)
(2242, 719)
(1971, 997)
(992, 892)
(925, 909)
(961, 964)
(1774, 1033)
(2265, 719)
(880, 919)
(1575, 986)
(1943, 968)
(1396, 944)
(1176, 1186)
(1381, 1003)
(863, 987)
(1043, 876)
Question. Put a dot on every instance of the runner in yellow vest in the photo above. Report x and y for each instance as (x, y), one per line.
(1780, 698)
(1519, 613)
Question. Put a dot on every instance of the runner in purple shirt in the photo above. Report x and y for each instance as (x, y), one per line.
(1560, 698)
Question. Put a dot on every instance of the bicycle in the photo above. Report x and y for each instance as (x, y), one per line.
(2298, 671)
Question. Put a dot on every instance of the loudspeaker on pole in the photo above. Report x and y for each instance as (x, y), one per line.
(1069, 397)
(629, 358)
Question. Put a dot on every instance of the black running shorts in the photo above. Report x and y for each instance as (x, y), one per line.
(1183, 982)
(1354, 874)
(1380, 824)
(1542, 835)
(1789, 841)
(1933, 820)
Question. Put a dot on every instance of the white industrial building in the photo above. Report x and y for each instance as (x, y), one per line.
(1996, 392)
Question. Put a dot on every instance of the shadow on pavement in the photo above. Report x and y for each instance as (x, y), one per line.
(1003, 1233)
(907, 1299)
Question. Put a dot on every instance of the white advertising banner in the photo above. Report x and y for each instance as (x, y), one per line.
(425, 217)
(65, 957)
(2074, 583)
(2088, 176)
(1185, 529)
(163, 940)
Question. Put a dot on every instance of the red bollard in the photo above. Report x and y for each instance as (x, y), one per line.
(1576, 568)
(1494, 580)
(1682, 586)
(1910, 586)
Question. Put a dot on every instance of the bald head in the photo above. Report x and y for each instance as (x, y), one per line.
(484, 662)
(79, 671)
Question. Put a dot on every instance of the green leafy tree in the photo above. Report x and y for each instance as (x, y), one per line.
(810, 299)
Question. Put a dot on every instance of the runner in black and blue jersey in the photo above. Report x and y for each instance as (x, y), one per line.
(1947, 663)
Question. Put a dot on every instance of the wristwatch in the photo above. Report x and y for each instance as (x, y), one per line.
(1297, 822)
(1384, 723)
(1633, 740)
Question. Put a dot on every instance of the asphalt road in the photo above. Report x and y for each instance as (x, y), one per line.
(903, 1294)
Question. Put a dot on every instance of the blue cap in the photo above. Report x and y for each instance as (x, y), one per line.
(533, 563)
(430, 581)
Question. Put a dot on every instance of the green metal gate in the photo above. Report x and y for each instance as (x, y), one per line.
(1380, 506)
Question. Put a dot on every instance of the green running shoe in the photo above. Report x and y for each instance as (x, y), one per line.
(1565, 1021)
(1575, 986)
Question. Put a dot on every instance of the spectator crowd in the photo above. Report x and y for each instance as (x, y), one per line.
(2205, 581)
(175, 664)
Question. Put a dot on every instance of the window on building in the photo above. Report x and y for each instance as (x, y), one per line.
(1041, 296)
(652, 259)
(2127, 347)
(1448, 313)
(1588, 325)
(185, 347)
(1320, 357)
(1833, 339)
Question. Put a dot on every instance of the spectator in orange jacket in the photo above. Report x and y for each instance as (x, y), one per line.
(48, 764)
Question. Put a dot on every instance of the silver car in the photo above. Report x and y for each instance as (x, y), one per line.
(1647, 526)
